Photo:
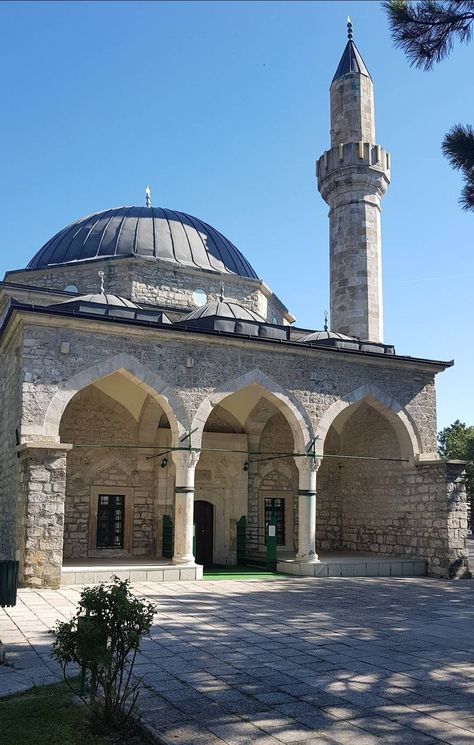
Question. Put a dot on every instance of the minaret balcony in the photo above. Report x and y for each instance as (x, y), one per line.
(362, 165)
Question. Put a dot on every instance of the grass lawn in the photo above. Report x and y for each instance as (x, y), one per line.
(46, 715)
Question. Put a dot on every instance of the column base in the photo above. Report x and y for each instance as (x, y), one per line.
(307, 558)
(188, 560)
(301, 567)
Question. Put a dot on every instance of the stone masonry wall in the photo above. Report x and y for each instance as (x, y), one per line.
(94, 418)
(41, 485)
(328, 501)
(389, 508)
(440, 488)
(377, 513)
(277, 478)
(11, 508)
(352, 110)
(153, 282)
(221, 480)
(315, 378)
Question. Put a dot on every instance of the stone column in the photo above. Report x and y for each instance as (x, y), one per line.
(307, 510)
(185, 463)
(42, 490)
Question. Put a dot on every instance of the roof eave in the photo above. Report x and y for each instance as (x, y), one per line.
(16, 307)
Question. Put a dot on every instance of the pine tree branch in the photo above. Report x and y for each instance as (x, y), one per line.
(466, 199)
(426, 30)
(458, 146)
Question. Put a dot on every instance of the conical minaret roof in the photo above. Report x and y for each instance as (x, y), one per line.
(351, 60)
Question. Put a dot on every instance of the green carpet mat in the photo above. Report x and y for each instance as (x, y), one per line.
(214, 573)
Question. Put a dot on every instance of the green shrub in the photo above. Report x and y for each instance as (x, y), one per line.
(104, 638)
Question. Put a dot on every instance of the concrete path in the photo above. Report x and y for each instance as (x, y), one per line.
(362, 661)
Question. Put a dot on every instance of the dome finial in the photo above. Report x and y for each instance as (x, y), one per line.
(102, 285)
(221, 296)
(349, 28)
(147, 197)
(325, 320)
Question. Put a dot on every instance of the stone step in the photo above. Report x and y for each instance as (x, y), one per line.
(357, 568)
(135, 573)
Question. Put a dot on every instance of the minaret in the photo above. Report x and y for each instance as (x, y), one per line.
(352, 178)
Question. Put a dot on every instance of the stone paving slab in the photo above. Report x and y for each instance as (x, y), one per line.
(317, 662)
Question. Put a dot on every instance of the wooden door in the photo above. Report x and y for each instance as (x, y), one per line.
(204, 531)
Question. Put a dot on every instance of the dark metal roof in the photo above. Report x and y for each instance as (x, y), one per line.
(102, 298)
(225, 309)
(325, 335)
(143, 318)
(144, 231)
(351, 61)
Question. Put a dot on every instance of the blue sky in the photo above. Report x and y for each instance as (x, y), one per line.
(223, 108)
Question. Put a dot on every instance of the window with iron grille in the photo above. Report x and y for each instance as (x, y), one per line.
(110, 521)
(275, 508)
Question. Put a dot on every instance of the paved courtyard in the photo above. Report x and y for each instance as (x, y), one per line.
(307, 661)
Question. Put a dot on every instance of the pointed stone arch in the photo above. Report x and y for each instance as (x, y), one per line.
(293, 411)
(129, 366)
(109, 462)
(267, 469)
(383, 402)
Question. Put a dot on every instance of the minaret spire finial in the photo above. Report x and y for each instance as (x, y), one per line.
(349, 28)
(102, 286)
(325, 320)
(147, 197)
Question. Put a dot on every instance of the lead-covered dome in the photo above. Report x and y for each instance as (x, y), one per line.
(100, 298)
(326, 335)
(148, 232)
(225, 309)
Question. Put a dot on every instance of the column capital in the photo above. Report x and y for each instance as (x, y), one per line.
(49, 445)
(185, 460)
(307, 465)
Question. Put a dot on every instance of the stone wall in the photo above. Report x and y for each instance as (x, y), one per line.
(154, 282)
(313, 377)
(352, 109)
(222, 481)
(41, 485)
(269, 432)
(11, 508)
(377, 513)
(94, 418)
(328, 501)
(440, 489)
(415, 511)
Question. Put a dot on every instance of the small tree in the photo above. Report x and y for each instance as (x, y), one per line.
(104, 638)
(457, 441)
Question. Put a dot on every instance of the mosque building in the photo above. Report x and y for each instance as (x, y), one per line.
(155, 391)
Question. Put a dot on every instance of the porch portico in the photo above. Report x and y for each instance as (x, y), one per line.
(355, 499)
